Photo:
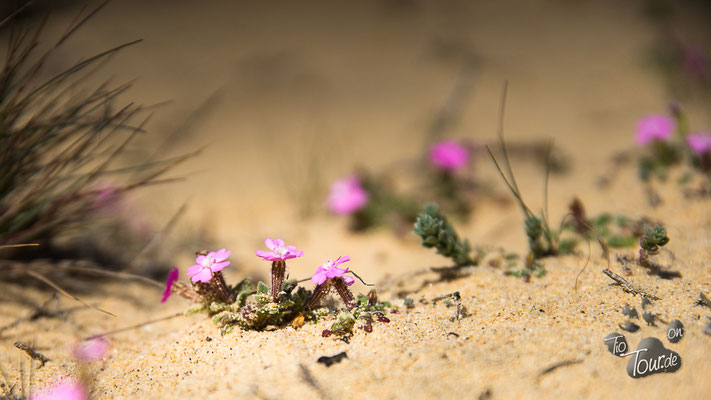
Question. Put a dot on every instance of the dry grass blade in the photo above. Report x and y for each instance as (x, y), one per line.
(128, 328)
(58, 288)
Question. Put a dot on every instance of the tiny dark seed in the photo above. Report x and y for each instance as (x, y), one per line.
(325, 333)
(383, 319)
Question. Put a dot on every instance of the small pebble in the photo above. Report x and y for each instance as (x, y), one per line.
(649, 318)
(675, 331)
(629, 311)
(629, 326)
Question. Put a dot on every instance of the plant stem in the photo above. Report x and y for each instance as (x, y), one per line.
(344, 292)
(319, 293)
(278, 273)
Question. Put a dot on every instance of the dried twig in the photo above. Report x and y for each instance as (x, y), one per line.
(703, 300)
(628, 287)
(128, 328)
(60, 290)
(34, 354)
(558, 365)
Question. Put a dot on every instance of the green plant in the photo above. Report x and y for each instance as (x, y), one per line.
(542, 240)
(436, 232)
(654, 238)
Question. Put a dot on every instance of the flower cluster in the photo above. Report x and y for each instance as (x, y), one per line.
(700, 143)
(449, 155)
(330, 270)
(279, 251)
(207, 264)
(282, 302)
(347, 196)
(654, 128)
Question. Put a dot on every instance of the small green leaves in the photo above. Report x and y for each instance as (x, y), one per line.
(434, 229)
(262, 288)
(653, 238)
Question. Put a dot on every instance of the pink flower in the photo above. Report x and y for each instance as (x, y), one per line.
(279, 251)
(63, 389)
(90, 350)
(214, 261)
(328, 270)
(700, 143)
(449, 155)
(347, 196)
(172, 278)
(654, 127)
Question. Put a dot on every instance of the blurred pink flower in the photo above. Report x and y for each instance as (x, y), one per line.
(700, 143)
(172, 278)
(90, 350)
(654, 127)
(279, 251)
(347, 196)
(449, 155)
(328, 270)
(214, 261)
(63, 389)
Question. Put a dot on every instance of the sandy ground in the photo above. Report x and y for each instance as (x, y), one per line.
(274, 92)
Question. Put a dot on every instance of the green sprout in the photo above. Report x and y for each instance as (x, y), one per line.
(653, 239)
(436, 232)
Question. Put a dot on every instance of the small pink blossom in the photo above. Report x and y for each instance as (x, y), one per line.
(63, 389)
(449, 155)
(700, 143)
(328, 270)
(347, 196)
(91, 350)
(172, 278)
(214, 261)
(279, 251)
(654, 127)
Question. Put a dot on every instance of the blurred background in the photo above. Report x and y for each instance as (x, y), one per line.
(283, 97)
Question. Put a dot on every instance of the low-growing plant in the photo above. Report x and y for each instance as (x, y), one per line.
(542, 239)
(653, 239)
(437, 232)
(255, 307)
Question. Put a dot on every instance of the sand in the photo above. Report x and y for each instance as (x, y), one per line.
(278, 93)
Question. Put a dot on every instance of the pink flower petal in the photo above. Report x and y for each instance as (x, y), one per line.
(91, 350)
(319, 277)
(341, 260)
(267, 255)
(269, 243)
(203, 276)
(194, 270)
(172, 277)
(349, 280)
(221, 255)
(218, 266)
(200, 259)
(63, 389)
(279, 242)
